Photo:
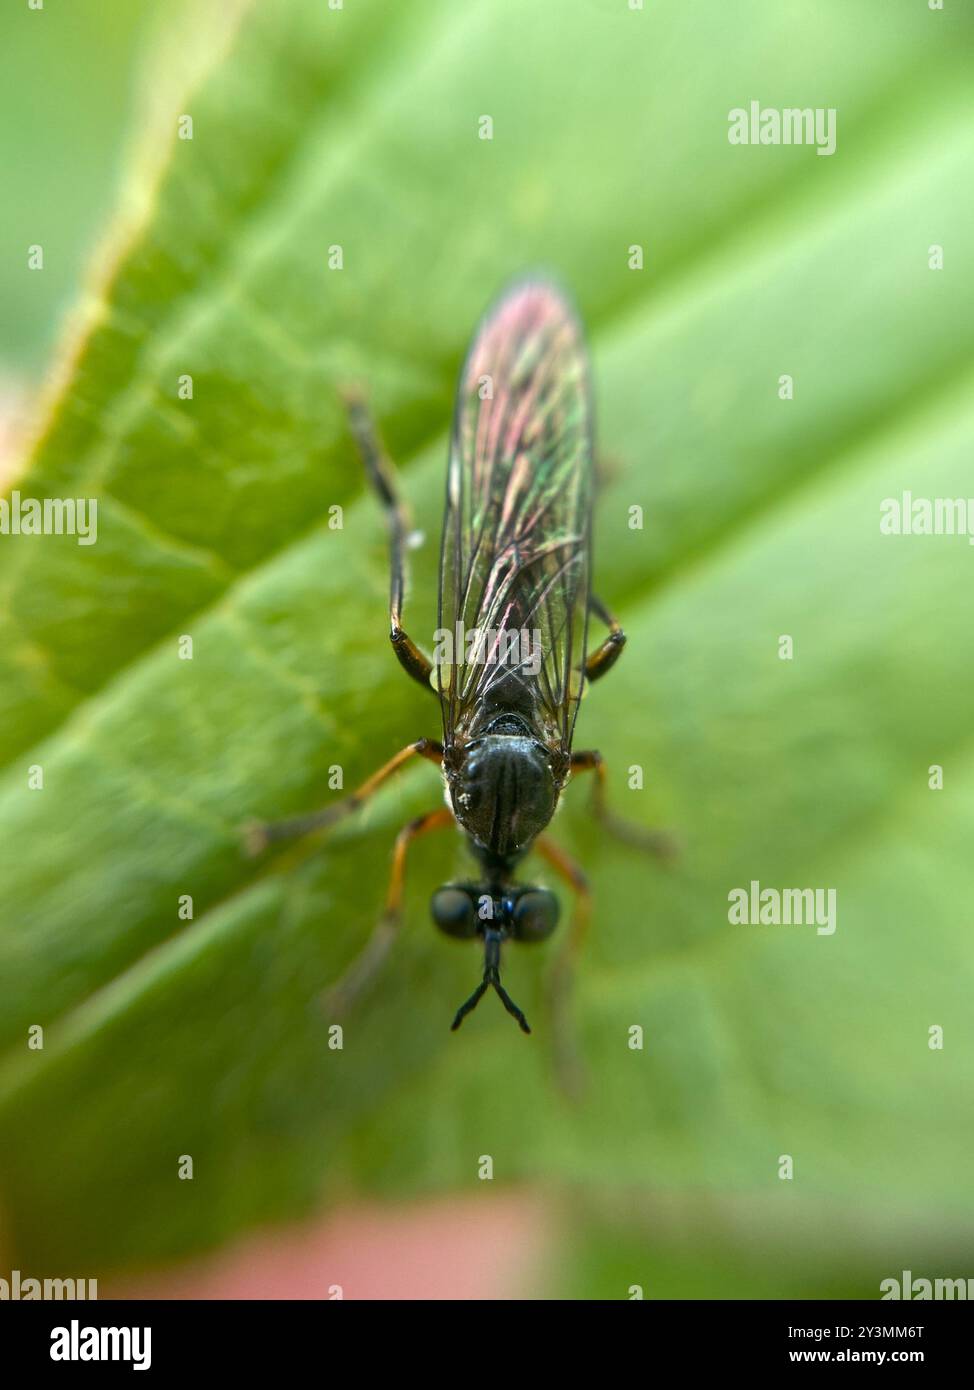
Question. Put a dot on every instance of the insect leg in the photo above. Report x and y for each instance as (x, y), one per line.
(371, 958)
(658, 842)
(568, 1063)
(605, 656)
(259, 834)
(383, 479)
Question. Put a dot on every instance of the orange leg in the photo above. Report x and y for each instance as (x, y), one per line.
(259, 834)
(366, 965)
(605, 656)
(568, 1062)
(658, 842)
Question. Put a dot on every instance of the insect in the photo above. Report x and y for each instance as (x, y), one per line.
(512, 659)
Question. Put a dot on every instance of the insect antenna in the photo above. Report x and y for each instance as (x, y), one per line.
(492, 943)
(510, 1005)
(470, 1004)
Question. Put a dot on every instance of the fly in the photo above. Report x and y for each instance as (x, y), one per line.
(511, 658)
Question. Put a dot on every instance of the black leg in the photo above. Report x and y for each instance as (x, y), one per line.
(383, 479)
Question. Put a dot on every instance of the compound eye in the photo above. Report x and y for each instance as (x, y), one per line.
(535, 915)
(454, 912)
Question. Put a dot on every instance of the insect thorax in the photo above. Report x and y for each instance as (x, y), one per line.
(504, 788)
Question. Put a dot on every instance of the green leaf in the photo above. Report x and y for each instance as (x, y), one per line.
(358, 128)
(58, 176)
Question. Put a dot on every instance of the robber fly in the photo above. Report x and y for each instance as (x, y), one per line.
(514, 604)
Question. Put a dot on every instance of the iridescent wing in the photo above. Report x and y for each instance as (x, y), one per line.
(516, 534)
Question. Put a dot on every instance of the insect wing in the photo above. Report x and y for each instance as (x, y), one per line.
(514, 569)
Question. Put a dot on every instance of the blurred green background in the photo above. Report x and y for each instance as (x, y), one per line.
(358, 127)
(69, 97)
